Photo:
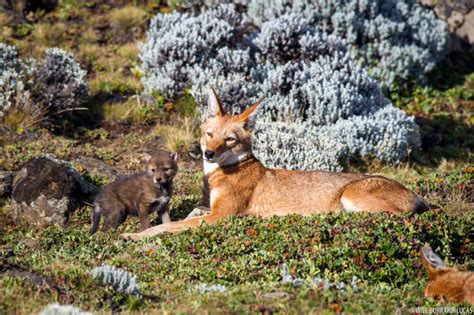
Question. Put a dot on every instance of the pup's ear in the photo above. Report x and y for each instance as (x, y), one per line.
(174, 156)
(215, 107)
(249, 116)
(147, 157)
(432, 262)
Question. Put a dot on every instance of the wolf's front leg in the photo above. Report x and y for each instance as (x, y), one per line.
(172, 227)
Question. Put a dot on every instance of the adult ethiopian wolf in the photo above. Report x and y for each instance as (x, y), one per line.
(240, 185)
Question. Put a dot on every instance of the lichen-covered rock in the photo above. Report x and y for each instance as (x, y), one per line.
(459, 16)
(96, 167)
(46, 191)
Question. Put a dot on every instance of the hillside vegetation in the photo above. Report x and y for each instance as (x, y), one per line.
(325, 263)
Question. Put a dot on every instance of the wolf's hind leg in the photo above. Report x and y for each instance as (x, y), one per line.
(378, 193)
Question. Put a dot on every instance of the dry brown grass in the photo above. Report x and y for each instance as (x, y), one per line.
(126, 18)
(89, 36)
(19, 5)
(131, 110)
(88, 54)
(180, 136)
(4, 19)
(50, 35)
(129, 52)
(23, 114)
(115, 82)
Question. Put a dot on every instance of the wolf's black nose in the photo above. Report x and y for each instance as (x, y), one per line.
(209, 154)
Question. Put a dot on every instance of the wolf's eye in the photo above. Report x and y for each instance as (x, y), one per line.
(209, 134)
(230, 139)
(153, 170)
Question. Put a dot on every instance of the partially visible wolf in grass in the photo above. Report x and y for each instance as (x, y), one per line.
(138, 194)
(454, 285)
(240, 185)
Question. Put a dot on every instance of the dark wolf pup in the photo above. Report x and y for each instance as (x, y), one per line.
(138, 194)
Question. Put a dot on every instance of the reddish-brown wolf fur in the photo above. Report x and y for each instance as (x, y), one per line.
(454, 285)
(240, 185)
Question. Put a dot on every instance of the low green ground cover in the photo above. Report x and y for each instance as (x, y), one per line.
(245, 255)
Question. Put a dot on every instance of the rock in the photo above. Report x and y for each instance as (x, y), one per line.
(428, 3)
(466, 31)
(46, 191)
(6, 181)
(459, 15)
(96, 167)
(443, 11)
(456, 18)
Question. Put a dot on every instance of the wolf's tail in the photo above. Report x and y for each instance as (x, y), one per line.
(421, 206)
(95, 218)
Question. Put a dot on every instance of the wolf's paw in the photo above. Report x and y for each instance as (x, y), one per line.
(198, 212)
(130, 237)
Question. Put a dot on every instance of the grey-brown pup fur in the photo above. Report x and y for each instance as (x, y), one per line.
(138, 194)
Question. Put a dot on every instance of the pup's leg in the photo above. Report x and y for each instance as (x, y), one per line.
(95, 218)
(143, 215)
(114, 219)
(162, 208)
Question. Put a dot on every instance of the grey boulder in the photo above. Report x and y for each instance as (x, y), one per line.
(46, 191)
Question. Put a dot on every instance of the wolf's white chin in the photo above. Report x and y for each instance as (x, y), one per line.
(209, 167)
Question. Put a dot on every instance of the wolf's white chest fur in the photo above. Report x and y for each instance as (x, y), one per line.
(210, 167)
(214, 194)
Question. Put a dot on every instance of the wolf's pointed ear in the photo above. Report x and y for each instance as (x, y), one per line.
(433, 263)
(249, 116)
(174, 156)
(147, 157)
(215, 107)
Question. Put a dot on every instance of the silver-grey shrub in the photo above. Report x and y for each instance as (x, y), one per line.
(15, 80)
(321, 107)
(60, 83)
(178, 41)
(396, 39)
(57, 309)
(8, 58)
(47, 86)
(119, 279)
